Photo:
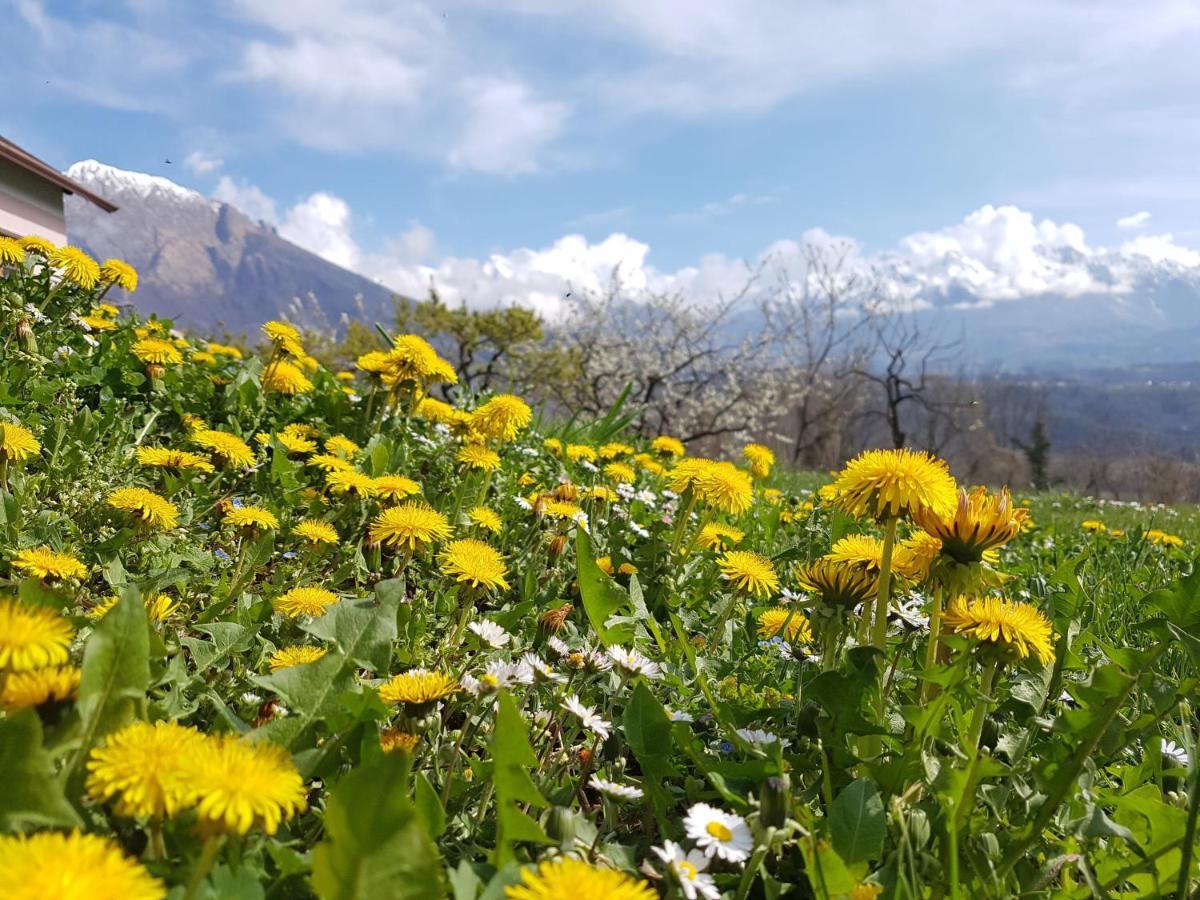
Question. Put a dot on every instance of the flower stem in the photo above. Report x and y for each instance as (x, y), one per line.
(207, 855)
(929, 689)
(982, 703)
(879, 636)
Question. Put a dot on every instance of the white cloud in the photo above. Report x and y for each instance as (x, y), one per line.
(322, 223)
(505, 127)
(1161, 248)
(1133, 222)
(247, 197)
(718, 209)
(201, 163)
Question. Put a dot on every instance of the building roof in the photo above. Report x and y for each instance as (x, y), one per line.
(30, 163)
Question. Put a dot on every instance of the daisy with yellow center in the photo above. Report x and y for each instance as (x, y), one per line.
(76, 267)
(418, 688)
(792, 623)
(1018, 629)
(351, 481)
(153, 510)
(315, 531)
(715, 536)
(305, 601)
(120, 273)
(477, 456)
(286, 657)
(251, 517)
(165, 458)
(566, 878)
(395, 487)
(48, 565)
(158, 352)
(393, 740)
(50, 865)
(142, 768)
(229, 448)
(238, 785)
(32, 637)
(23, 690)
(410, 525)
(485, 518)
(667, 446)
(749, 573)
(474, 563)
(17, 442)
(285, 377)
(502, 417)
(760, 459)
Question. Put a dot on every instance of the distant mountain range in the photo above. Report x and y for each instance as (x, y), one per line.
(206, 264)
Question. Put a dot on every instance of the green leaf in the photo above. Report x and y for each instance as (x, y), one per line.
(648, 732)
(511, 757)
(429, 805)
(363, 630)
(311, 693)
(375, 845)
(115, 672)
(228, 638)
(1180, 602)
(602, 598)
(857, 823)
(826, 870)
(32, 796)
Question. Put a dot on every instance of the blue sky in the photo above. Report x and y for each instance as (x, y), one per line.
(465, 128)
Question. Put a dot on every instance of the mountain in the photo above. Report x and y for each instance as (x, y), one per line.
(206, 264)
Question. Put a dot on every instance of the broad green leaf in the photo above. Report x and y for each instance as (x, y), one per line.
(827, 872)
(1180, 602)
(362, 629)
(602, 598)
(429, 805)
(375, 845)
(511, 758)
(857, 822)
(648, 731)
(311, 693)
(32, 796)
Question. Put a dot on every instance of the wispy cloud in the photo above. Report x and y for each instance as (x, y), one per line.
(718, 209)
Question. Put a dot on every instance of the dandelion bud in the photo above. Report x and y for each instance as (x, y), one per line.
(774, 800)
(557, 544)
(25, 333)
(554, 619)
(562, 824)
(155, 372)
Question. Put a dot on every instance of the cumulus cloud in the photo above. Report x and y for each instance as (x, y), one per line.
(200, 163)
(1161, 248)
(322, 223)
(247, 197)
(1133, 222)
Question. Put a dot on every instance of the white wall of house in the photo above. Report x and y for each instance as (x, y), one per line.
(30, 205)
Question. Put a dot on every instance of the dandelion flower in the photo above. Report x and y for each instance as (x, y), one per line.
(565, 877)
(686, 473)
(620, 472)
(11, 252)
(120, 273)
(281, 332)
(667, 446)
(393, 739)
(239, 785)
(316, 532)
(587, 715)
(157, 352)
(296, 443)
(46, 564)
(141, 767)
(76, 267)
(341, 445)
(1163, 539)
(327, 462)
(285, 377)
(165, 458)
(580, 453)
(477, 456)
(1017, 628)
(305, 601)
(39, 245)
(979, 523)
(485, 518)
(412, 525)
(837, 584)
(502, 417)
(153, 510)
(418, 688)
(749, 572)
(17, 442)
(286, 657)
(797, 629)
(351, 481)
(718, 833)
(715, 536)
(158, 606)
(396, 487)
(32, 637)
(889, 483)
(229, 448)
(614, 450)
(475, 563)
(760, 459)
(71, 867)
(1093, 526)
(22, 690)
(251, 517)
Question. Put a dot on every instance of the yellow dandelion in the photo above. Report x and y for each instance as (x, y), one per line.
(792, 623)
(50, 865)
(228, 448)
(11, 252)
(686, 473)
(580, 453)
(715, 536)
(158, 352)
(837, 584)
(1093, 526)
(142, 768)
(412, 525)
(120, 273)
(749, 572)
(48, 565)
(888, 483)
(286, 657)
(554, 445)
(224, 350)
(667, 446)
(559, 509)
(760, 459)
(565, 878)
(149, 507)
(316, 532)
(305, 601)
(76, 267)
(650, 464)
(614, 450)
(725, 487)
(1014, 627)
(485, 518)
(22, 690)
(396, 487)
(296, 443)
(351, 481)
(250, 517)
(474, 563)
(417, 688)
(166, 458)
(281, 332)
(436, 411)
(620, 472)
(239, 785)
(393, 739)
(98, 323)
(502, 417)
(284, 377)
(477, 456)
(17, 442)
(327, 462)
(341, 445)
(1163, 539)
(39, 245)
(978, 523)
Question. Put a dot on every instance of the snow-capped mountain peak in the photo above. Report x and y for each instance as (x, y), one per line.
(108, 180)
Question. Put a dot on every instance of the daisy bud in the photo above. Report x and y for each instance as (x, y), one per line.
(774, 800)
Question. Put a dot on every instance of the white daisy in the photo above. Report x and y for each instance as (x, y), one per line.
(558, 645)
(523, 503)
(1176, 754)
(688, 871)
(646, 496)
(764, 738)
(580, 519)
(911, 611)
(597, 661)
(587, 716)
(490, 633)
(497, 676)
(676, 715)
(626, 491)
(529, 451)
(639, 530)
(632, 663)
(615, 790)
(541, 669)
(719, 833)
